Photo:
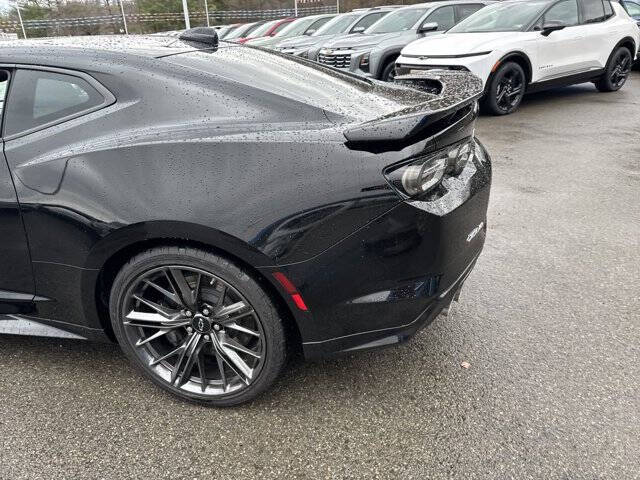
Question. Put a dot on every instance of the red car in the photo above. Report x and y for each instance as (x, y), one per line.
(268, 29)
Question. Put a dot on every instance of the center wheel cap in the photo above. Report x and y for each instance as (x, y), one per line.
(201, 324)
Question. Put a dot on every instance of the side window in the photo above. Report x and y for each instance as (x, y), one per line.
(632, 8)
(563, 13)
(608, 9)
(466, 10)
(592, 11)
(279, 27)
(40, 97)
(369, 20)
(4, 82)
(443, 16)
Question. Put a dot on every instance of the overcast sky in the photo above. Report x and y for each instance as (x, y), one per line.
(4, 4)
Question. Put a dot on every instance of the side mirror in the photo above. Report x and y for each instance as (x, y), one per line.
(310, 32)
(549, 28)
(358, 30)
(428, 27)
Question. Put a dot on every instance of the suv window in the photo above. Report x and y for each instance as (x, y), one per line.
(466, 10)
(4, 81)
(40, 97)
(564, 13)
(443, 16)
(592, 11)
(369, 20)
(632, 8)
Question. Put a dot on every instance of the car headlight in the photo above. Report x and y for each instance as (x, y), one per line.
(364, 62)
(425, 173)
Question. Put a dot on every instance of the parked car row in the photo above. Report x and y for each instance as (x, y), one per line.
(514, 46)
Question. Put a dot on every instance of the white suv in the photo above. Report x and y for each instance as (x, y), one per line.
(520, 46)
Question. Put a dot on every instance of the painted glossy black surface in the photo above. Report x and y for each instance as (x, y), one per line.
(238, 149)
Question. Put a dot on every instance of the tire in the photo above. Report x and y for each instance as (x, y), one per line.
(505, 90)
(389, 71)
(232, 317)
(617, 71)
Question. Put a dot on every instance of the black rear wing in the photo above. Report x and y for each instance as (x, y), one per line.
(452, 91)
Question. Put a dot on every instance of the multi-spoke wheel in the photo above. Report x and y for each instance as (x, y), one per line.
(617, 71)
(198, 325)
(505, 90)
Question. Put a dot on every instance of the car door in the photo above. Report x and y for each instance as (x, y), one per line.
(16, 277)
(599, 35)
(561, 53)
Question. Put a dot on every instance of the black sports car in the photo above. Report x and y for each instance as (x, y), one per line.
(213, 207)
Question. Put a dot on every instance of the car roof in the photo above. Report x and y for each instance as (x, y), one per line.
(98, 45)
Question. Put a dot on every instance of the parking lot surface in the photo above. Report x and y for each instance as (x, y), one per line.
(549, 323)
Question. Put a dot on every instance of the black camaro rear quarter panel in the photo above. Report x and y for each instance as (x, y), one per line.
(202, 147)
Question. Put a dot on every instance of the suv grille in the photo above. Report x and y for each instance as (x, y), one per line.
(335, 60)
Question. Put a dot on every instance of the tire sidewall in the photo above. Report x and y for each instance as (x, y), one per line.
(275, 352)
(388, 68)
(490, 100)
(606, 80)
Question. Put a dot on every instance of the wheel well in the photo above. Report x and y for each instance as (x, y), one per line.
(522, 60)
(113, 265)
(388, 58)
(629, 43)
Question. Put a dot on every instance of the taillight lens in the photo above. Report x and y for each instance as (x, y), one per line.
(425, 173)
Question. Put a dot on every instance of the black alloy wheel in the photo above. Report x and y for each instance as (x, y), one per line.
(197, 325)
(617, 71)
(505, 90)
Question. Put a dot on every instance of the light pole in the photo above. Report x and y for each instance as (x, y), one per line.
(185, 9)
(206, 12)
(295, 8)
(124, 20)
(337, 6)
(24, 33)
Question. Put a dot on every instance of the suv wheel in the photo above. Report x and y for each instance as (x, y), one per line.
(505, 90)
(197, 325)
(389, 72)
(617, 71)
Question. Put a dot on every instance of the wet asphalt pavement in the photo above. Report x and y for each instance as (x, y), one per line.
(549, 322)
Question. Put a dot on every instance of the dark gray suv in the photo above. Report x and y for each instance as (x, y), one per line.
(373, 53)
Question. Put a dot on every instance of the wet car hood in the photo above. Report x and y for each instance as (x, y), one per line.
(357, 41)
(460, 43)
(304, 41)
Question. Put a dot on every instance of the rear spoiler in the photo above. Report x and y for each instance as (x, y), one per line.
(451, 91)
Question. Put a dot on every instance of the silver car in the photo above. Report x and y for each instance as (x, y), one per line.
(355, 22)
(373, 53)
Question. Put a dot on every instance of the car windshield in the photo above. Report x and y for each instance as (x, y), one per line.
(262, 29)
(240, 31)
(502, 17)
(336, 25)
(398, 21)
(297, 27)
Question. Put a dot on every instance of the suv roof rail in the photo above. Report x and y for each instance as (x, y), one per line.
(205, 35)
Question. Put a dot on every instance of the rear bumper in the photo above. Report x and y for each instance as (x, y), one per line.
(383, 283)
(386, 337)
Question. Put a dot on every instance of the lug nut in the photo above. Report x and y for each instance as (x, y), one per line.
(216, 327)
(188, 313)
(206, 337)
(189, 329)
(206, 311)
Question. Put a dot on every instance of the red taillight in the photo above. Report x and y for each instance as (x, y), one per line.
(291, 289)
